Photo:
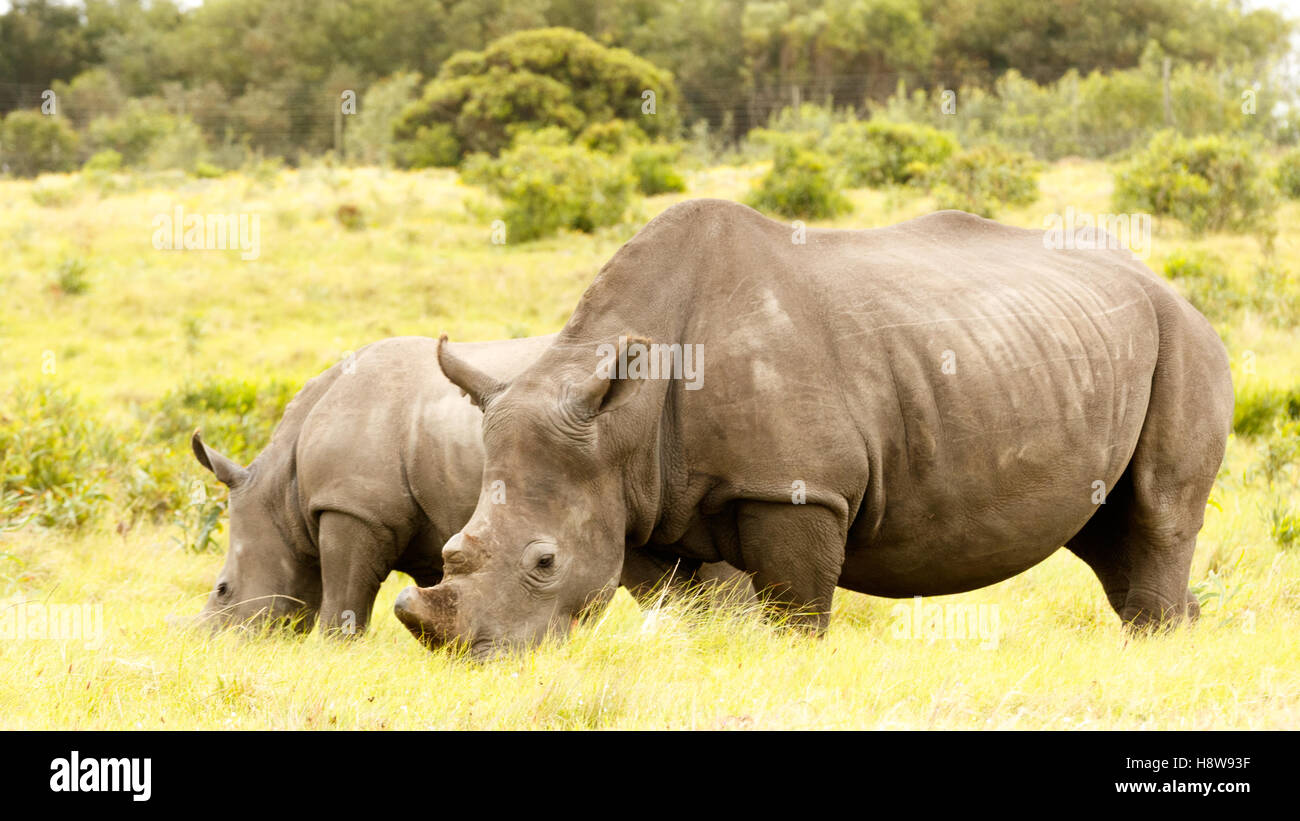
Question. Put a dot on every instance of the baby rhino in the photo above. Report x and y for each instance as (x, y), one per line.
(375, 465)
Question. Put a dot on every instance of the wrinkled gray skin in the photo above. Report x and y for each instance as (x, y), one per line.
(1068, 372)
(375, 465)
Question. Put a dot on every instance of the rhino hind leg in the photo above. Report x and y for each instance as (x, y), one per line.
(1141, 550)
(355, 560)
(1103, 544)
(1141, 542)
(796, 555)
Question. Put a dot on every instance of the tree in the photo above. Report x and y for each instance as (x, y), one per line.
(535, 79)
(31, 142)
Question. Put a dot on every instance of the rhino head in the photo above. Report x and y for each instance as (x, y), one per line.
(564, 447)
(264, 580)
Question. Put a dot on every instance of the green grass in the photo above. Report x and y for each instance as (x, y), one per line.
(147, 322)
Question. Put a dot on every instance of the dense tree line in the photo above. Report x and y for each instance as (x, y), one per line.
(270, 72)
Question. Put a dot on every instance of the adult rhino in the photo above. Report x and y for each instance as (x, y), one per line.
(920, 409)
(374, 466)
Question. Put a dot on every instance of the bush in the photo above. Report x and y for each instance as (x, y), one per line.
(1281, 451)
(801, 183)
(1208, 183)
(1258, 407)
(32, 143)
(655, 168)
(547, 187)
(876, 153)
(613, 137)
(92, 93)
(985, 179)
(70, 276)
(106, 162)
(54, 459)
(1287, 174)
(150, 138)
(369, 135)
(532, 79)
(1097, 114)
(237, 416)
(1202, 280)
(199, 519)
(205, 170)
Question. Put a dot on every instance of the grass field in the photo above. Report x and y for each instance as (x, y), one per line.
(93, 309)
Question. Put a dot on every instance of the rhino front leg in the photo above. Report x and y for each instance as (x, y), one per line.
(355, 559)
(648, 570)
(796, 553)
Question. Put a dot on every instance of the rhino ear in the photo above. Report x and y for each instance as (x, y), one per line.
(227, 471)
(609, 388)
(477, 385)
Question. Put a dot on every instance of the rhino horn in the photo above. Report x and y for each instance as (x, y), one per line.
(227, 471)
(477, 385)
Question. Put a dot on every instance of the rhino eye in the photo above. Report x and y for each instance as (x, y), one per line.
(223, 590)
(546, 560)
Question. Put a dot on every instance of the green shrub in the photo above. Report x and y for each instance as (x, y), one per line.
(236, 416)
(150, 138)
(1202, 279)
(1283, 523)
(1097, 114)
(817, 122)
(32, 143)
(547, 187)
(92, 93)
(199, 521)
(655, 168)
(54, 459)
(1257, 408)
(877, 153)
(70, 277)
(1208, 183)
(480, 101)
(1282, 450)
(801, 183)
(205, 170)
(106, 161)
(369, 135)
(1287, 174)
(612, 137)
(428, 146)
(1275, 292)
(985, 179)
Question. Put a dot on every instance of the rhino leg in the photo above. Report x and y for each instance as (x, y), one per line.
(648, 570)
(355, 559)
(1104, 545)
(1140, 544)
(1159, 505)
(796, 553)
